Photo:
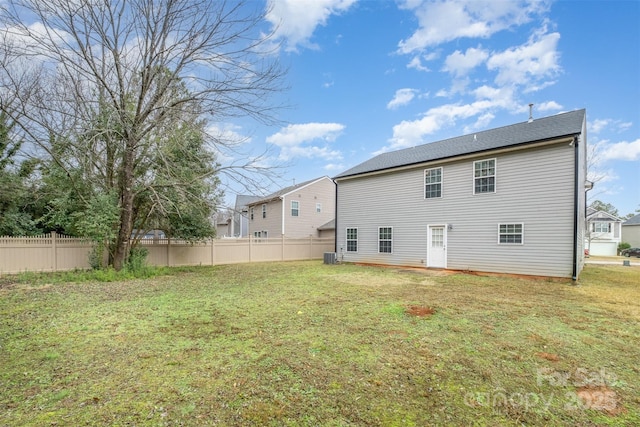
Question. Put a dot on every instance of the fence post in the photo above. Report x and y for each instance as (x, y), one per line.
(212, 250)
(168, 251)
(250, 248)
(54, 246)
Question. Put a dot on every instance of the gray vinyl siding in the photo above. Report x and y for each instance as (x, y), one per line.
(534, 187)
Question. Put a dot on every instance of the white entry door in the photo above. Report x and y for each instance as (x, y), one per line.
(437, 250)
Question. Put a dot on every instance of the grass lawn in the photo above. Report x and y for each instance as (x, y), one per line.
(303, 343)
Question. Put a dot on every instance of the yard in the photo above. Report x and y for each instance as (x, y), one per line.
(302, 343)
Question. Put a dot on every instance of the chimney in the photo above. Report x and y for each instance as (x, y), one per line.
(530, 113)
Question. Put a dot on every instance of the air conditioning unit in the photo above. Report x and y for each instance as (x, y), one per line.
(330, 258)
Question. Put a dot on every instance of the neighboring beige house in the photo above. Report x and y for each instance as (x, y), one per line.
(603, 234)
(297, 211)
(631, 231)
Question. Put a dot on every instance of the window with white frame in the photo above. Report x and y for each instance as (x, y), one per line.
(385, 239)
(511, 234)
(318, 207)
(251, 213)
(352, 240)
(601, 227)
(295, 208)
(433, 183)
(484, 176)
(264, 211)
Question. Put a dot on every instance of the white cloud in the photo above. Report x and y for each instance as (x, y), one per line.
(598, 125)
(293, 140)
(295, 21)
(416, 63)
(402, 97)
(460, 64)
(533, 61)
(628, 151)
(548, 106)
(441, 22)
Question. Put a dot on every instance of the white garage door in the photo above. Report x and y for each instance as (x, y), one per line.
(603, 248)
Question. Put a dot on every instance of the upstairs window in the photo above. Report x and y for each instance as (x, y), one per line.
(385, 240)
(511, 233)
(295, 208)
(432, 183)
(484, 176)
(601, 227)
(251, 213)
(352, 240)
(318, 207)
(264, 211)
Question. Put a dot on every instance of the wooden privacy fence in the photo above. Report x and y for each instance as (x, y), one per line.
(55, 252)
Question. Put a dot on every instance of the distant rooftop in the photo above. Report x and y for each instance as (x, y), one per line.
(560, 125)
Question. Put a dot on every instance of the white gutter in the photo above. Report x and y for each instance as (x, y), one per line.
(282, 198)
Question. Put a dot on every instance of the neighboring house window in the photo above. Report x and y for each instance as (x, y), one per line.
(264, 234)
(264, 211)
(257, 234)
(484, 176)
(295, 208)
(318, 207)
(251, 213)
(432, 183)
(352, 240)
(511, 233)
(385, 235)
(601, 227)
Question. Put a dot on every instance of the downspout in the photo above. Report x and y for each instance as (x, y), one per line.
(576, 163)
(282, 226)
(335, 221)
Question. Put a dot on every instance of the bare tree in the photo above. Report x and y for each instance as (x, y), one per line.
(115, 79)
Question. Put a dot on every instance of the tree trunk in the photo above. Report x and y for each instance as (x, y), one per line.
(126, 211)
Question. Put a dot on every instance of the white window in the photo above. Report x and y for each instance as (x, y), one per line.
(601, 227)
(318, 207)
(511, 234)
(352, 240)
(295, 208)
(432, 183)
(264, 211)
(251, 213)
(385, 240)
(484, 176)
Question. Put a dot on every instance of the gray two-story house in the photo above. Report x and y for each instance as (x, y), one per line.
(506, 200)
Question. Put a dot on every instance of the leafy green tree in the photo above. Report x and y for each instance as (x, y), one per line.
(605, 207)
(121, 81)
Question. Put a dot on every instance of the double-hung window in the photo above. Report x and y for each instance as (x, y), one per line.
(318, 207)
(295, 208)
(601, 227)
(385, 239)
(352, 240)
(264, 211)
(484, 176)
(251, 213)
(432, 183)
(511, 234)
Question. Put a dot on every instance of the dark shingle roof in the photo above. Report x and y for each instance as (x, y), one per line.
(634, 220)
(560, 125)
(282, 192)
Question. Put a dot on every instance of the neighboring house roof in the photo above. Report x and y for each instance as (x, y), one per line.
(594, 215)
(331, 225)
(565, 124)
(285, 191)
(243, 200)
(634, 220)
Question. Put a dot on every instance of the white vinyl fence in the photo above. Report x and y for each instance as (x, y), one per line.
(55, 252)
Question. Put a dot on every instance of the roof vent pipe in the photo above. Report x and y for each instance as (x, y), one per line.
(530, 113)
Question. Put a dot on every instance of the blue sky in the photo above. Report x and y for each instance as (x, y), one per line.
(367, 77)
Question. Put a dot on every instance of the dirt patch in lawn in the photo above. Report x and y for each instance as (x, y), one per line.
(599, 398)
(420, 311)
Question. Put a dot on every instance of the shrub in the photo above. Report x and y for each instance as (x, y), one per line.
(622, 246)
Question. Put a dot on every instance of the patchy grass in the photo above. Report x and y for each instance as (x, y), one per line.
(310, 344)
